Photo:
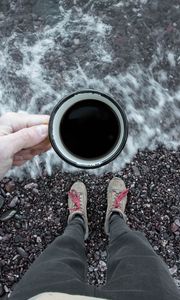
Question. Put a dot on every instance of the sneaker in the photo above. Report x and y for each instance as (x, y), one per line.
(117, 199)
(77, 203)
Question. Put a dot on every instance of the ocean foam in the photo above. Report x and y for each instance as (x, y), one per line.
(41, 76)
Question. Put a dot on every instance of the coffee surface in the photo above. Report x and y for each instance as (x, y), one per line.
(89, 129)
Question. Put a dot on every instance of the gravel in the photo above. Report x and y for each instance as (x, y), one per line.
(38, 218)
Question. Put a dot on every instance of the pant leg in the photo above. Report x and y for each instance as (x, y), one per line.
(60, 268)
(134, 270)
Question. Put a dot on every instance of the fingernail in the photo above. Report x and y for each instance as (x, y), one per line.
(42, 130)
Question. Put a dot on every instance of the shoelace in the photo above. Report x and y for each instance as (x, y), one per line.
(75, 198)
(119, 198)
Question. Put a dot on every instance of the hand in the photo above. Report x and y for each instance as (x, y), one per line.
(22, 136)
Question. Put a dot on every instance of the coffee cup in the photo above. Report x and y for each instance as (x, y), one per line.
(88, 129)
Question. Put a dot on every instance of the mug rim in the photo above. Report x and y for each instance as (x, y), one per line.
(52, 140)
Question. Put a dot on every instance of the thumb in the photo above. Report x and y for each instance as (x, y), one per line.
(26, 138)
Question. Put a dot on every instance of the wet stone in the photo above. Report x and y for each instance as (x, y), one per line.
(8, 215)
(6, 289)
(177, 222)
(173, 270)
(174, 227)
(1, 289)
(17, 225)
(2, 200)
(18, 217)
(90, 269)
(10, 186)
(31, 185)
(67, 43)
(25, 225)
(76, 42)
(2, 192)
(136, 171)
(102, 265)
(5, 238)
(13, 202)
(18, 239)
(22, 252)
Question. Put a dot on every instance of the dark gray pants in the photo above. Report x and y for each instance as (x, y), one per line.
(135, 271)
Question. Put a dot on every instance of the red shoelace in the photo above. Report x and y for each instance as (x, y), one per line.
(119, 198)
(75, 198)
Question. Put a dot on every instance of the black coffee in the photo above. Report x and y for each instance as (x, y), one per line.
(89, 129)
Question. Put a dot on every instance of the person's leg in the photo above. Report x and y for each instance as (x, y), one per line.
(62, 266)
(134, 270)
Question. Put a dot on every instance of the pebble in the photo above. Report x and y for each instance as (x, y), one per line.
(136, 171)
(76, 42)
(31, 185)
(2, 192)
(38, 239)
(173, 270)
(18, 217)
(18, 239)
(17, 225)
(13, 202)
(22, 252)
(6, 289)
(177, 222)
(5, 238)
(174, 227)
(102, 265)
(8, 215)
(10, 186)
(1, 289)
(1, 201)
(67, 43)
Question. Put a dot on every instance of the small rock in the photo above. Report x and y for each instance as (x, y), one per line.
(5, 238)
(102, 265)
(19, 217)
(145, 168)
(1, 289)
(136, 171)
(2, 192)
(174, 227)
(13, 202)
(25, 225)
(18, 239)
(6, 289)
(1, 201)
(17, 225)
(31, 185)
(8, 215)
(10, 186)
(177, 222)
(35, 191)
(22, 252)
(156, 248)
(151, 188)
(67, 43)
(38, 240)
(173, 270)
(76, 42)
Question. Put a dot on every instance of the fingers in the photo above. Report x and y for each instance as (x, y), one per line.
(25, 138)
(30, 153)
(18, 121)
(19, 163)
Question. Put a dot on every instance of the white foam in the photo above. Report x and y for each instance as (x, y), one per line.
(152, 109)
(171, 59)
